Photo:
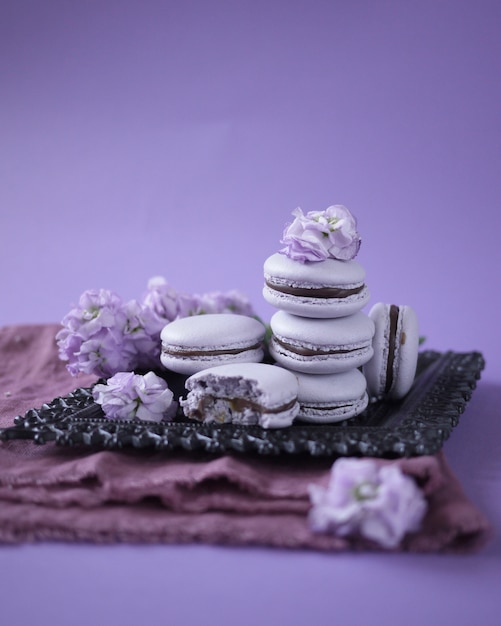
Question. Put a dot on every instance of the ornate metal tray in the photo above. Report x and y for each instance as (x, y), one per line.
(417, 425)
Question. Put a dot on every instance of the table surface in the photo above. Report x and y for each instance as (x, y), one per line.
(175, 139)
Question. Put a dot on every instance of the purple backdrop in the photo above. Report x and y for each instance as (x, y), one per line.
(175, 138)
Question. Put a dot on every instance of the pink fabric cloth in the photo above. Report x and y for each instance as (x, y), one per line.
(54, 493)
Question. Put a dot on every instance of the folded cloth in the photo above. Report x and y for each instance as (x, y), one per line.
(55, 493)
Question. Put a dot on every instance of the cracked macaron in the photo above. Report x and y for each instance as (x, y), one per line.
(243, 393)
(194, 343)
(321, 346)
(324, 289)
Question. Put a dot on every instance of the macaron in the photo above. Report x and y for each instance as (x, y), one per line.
(243, 393)
(323, 289)
(191, 344)
(329, 398)
(391, 371)
(321, 346)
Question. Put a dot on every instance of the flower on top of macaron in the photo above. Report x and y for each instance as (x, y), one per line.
(321, 235)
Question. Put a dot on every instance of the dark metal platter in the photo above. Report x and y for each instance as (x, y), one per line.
(417, 425)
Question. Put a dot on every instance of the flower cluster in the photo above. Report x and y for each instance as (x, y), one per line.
(104, 335)
(320, 235)
(168, 304)
(129, 396)
(378, 502)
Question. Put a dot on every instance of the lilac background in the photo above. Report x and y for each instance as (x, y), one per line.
(175, 138)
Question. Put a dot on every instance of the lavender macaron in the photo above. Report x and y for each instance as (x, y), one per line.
(330, 398)
(191, 344)
(325, 289)
(243, 393)
(321, 346)
(391, 371)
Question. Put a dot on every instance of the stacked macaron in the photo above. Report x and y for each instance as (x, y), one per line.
(330, 356)
(319, 331)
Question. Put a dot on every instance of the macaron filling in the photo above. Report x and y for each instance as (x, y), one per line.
(236, 410)
(196, 352)
(330, 412)
(315, 351)
(392, 347)
(328, 408)
(315, 292)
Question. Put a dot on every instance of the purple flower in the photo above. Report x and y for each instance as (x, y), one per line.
(102, 355)
(95, 310)
(141, 334)
(129, 396)
(321, 235)
(103, 335)
(190, 304)
(161, 299)
(91, 339)
(225, 302)
(214, 302)
(378, 502)
(167, 304)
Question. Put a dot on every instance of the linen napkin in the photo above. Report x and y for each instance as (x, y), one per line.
(54, 493)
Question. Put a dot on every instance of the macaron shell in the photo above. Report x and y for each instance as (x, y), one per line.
(336, 332)
(212, 331)
(331, 398)
(375, 369)
(221, 334)
(328, 273)
(281, 271)
(407, 353)
(349, 338)
(321, 308)
(317, 416)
